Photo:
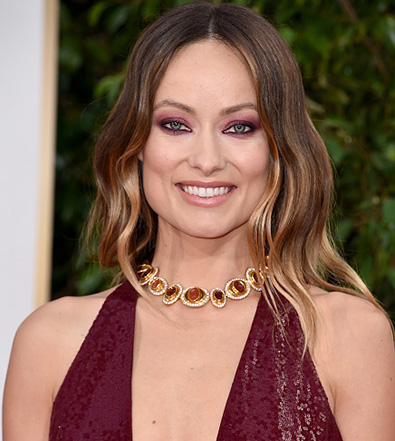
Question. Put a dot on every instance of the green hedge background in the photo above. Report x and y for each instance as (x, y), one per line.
(346, 50)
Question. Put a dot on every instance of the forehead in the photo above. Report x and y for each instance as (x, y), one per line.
(208, 67)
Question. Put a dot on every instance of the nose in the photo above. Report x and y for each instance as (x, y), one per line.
(207, 154)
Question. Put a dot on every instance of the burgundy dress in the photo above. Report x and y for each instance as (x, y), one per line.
(275, 395)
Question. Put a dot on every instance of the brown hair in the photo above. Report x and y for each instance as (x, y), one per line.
(289, 224)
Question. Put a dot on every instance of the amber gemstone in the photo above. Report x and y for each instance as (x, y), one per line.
(193, 294)
(157, 284)
(218, 295)
(239, 286)
(171, 291)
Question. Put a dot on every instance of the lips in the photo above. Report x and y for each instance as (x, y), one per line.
(205, 192)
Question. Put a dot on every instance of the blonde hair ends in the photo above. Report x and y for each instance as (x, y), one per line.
(290, 223)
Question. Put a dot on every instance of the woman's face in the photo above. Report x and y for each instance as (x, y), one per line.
(205, 161)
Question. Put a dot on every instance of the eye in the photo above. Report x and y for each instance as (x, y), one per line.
(175, 126)
(239, 129)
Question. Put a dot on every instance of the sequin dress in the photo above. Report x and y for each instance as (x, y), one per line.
(276, 394)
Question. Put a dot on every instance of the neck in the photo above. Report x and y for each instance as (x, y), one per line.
(205, 262)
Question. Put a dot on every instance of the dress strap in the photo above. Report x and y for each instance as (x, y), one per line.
(94, 401)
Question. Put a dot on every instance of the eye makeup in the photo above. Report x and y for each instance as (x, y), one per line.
(174, 126)
(172, 122)
(243, 125)
(240, 128)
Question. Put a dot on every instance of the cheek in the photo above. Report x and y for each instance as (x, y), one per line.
(152, 170)
(260, 166)
(157, 170)
(159, 153)
(151, 188)
(256, 165)
(257, 171)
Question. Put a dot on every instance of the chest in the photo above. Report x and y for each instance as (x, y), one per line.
(182, 378)
(200, 384)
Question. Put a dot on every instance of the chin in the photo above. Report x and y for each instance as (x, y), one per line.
(214, 230)
(209, 235)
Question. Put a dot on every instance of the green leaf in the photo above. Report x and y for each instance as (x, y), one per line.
(387, 26)
(118, 17)
(335, 150)
(344, 228)
(288, 34)
(96, 11)
(109, 86)
(388, 210)
(390, 152)
(90, 280)
(70, 54)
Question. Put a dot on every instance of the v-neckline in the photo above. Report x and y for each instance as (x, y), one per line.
(98, 383)
(257, 315)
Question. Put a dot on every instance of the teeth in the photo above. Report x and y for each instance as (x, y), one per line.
(205, 192)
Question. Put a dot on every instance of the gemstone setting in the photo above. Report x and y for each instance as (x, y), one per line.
(146, 272)
(158, 286)
(195, 297)
(218, 297)
(252, 278)
(172, 294)
(237, 289)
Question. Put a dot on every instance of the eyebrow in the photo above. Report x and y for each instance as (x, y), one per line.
(170, 103)
(227, 111)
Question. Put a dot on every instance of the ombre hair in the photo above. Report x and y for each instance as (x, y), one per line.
(289, 225)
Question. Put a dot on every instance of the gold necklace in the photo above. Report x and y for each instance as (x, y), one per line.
(235, 289)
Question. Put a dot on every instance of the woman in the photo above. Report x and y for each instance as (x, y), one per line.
(207, 167)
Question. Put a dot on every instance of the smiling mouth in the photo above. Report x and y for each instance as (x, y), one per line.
(205, 192)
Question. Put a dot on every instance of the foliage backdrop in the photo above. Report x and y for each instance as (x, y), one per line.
(346, 51)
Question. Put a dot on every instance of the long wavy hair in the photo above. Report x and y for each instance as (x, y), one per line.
(289, 225)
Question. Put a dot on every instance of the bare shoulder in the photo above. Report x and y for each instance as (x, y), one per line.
(349, 320)
(351, 328)
(43, 349)
(55, 330)
(355, 354)
(55, 321)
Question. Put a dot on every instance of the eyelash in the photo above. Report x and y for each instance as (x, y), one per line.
(247, 127)
(175, 131)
